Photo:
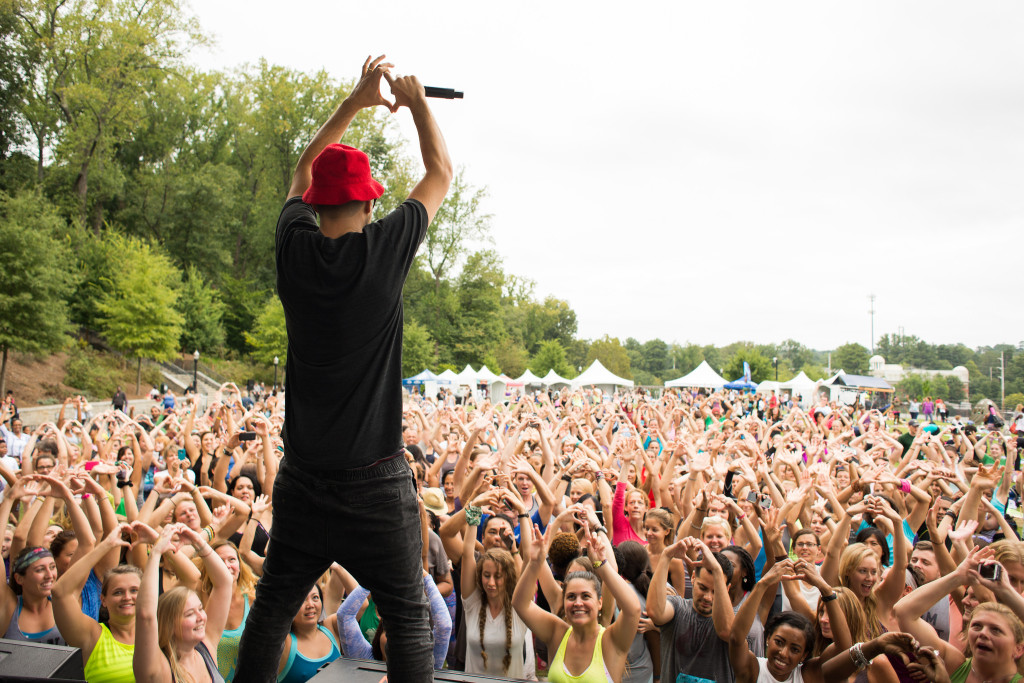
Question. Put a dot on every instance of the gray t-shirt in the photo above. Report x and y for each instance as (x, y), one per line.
(691, 651)
(437, 560)
(639, 665)
(938, 617)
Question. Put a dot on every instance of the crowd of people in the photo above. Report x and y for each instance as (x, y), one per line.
(567, 536)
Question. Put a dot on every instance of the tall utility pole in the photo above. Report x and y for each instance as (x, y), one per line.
(872, 312)
(1002, 381)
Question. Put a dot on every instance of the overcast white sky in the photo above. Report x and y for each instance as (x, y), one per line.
(716, 171)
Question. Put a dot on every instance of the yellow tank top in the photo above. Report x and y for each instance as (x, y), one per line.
(110, 661)
(597, 672)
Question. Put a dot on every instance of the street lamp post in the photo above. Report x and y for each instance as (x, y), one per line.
(195, 371)
(276, 361)
(775, 362)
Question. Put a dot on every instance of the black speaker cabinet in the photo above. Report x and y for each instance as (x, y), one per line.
(34, 660)
(346, 670)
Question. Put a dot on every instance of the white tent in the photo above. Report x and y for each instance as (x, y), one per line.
(802, 386)
(768, 386)
(486, 375)
(701, 377)
(529, 379)
(468, 377)
(553, 378)
(601, 377)
(450, 376)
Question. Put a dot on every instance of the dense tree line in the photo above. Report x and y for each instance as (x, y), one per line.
(139, 195)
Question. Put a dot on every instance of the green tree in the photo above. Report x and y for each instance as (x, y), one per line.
(243, 301)
(1012, 401)
(94, 66)
(480, 328)
(687, 358)
(511, 357)
(760, 367)
(34, 278)
(269, 335)
(956, 389)
(612, 355)
(551, 356)
(418, 349)
(202, 310)
(458, 224)
(912, 386)
(654, 356)
(851, 358)
(137, 311)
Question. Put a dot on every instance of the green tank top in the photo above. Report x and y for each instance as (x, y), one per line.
(961, 674)
(110, 661)
(597, 672)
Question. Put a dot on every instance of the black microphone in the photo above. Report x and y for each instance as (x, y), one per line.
(443, 93)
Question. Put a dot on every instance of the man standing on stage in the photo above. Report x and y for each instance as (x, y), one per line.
(344, 492)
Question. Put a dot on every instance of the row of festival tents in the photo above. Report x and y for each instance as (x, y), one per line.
(596, 375)
(702, 377)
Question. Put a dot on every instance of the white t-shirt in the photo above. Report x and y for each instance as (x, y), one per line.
(494, 640)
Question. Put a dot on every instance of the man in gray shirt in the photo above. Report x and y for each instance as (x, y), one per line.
(694, 633)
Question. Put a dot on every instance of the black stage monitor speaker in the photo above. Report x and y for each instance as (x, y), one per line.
(344, 670)
(20, 658)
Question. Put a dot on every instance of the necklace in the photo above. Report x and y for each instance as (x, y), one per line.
(989, 680)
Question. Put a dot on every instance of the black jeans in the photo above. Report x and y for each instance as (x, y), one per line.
(367, 520)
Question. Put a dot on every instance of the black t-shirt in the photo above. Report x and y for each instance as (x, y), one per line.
(343, 306)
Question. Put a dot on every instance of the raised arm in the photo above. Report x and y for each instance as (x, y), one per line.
(432, 188)
(546, 626)
(76, 628)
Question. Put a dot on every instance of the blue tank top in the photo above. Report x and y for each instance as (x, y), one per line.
(298, 668)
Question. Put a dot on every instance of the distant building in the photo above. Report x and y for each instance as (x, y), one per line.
(894, 372)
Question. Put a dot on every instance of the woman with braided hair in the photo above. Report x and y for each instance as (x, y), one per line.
(495, 634)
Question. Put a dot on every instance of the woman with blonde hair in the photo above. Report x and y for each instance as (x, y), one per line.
(176, 639)
(859, 569)
(243, 593)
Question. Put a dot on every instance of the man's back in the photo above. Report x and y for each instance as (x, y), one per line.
(343, 304)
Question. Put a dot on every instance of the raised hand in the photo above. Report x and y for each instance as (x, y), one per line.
(965, 530)
(260, 505)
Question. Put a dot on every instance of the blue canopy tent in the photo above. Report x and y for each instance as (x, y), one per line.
(422, 378)
(743, 383)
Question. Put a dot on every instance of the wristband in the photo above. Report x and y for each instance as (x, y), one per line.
(599, 474)
(473, 514)
(523, 516)
(566, 478)
(601, 530)
(830, 597)
(208, 530)
(598, 564)
(826, 520)
(781, 558)
(126, 484)
(905, 485)
(741, 516)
